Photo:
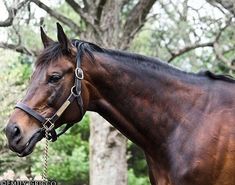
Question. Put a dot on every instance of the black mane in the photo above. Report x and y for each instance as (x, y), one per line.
(54, 51)
(214, 76)
(155, 63)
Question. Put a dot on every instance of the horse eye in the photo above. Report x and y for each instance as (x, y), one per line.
(54, 78)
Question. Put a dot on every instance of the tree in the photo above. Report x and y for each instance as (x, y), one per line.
(187, 34)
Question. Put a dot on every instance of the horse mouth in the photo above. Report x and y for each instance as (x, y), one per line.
(29, 146)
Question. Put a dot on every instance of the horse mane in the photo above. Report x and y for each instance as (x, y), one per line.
(155, 63)
(214, 76)
(54, 51)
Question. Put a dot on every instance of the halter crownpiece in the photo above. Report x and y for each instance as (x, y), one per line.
(48, 124)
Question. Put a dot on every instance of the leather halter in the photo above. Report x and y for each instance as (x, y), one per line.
(48, 124)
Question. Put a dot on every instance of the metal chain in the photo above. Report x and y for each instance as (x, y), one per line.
(45, 158)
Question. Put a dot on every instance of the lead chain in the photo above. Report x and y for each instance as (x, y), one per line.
(45, 158)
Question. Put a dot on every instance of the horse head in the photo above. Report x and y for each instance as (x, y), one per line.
(56, 95)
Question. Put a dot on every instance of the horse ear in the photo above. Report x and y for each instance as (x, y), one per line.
(45, 39)
(62, 38)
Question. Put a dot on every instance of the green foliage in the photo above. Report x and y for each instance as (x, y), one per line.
(72, 168)
(137, 166)
(14, 76)
(21, 70)
(68, 156)
(143, 42)
(137, 180)
(136, 160)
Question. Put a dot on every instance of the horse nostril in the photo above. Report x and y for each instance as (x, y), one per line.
(13, 133)
(16, 131)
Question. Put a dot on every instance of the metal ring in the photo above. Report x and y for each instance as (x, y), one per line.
(48, 128)
(74, 92)
(79, 73)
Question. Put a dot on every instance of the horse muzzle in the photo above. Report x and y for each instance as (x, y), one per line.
(17, 143)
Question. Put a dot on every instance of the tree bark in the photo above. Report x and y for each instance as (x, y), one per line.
(108, 164)
(107, 153)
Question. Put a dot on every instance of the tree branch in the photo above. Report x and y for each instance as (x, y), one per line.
(187, 49)
(221, 57)
(86, 5)
(17, 34)
(70, 23)
(84, 15)
(228, 22)
(229, 5)
(214, 44)
(76, 7)
(219, 52)
(12, 11)
(135, 19)
(99, 10)
(164, 6)
(18, 48)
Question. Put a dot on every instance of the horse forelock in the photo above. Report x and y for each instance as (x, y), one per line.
(49, 54)
(54, 51)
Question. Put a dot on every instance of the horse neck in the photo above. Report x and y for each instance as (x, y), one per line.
(144, 105)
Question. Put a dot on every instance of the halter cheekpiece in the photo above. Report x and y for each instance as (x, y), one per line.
(48, 124)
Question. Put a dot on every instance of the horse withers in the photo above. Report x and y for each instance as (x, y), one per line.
(184, 122)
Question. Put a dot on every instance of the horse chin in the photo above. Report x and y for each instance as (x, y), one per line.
(29, 146)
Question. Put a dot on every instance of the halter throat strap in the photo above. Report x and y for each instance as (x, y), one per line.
(48, 124)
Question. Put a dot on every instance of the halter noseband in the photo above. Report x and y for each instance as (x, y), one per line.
(48, 124)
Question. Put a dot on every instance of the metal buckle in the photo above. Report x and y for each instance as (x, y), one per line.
(79, 73)
(48, 127)
(74, 92)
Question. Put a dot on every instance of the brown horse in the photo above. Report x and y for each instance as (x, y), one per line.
(184, 122)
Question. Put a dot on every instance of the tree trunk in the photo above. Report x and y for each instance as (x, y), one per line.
(107, 153)
(108, 164)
